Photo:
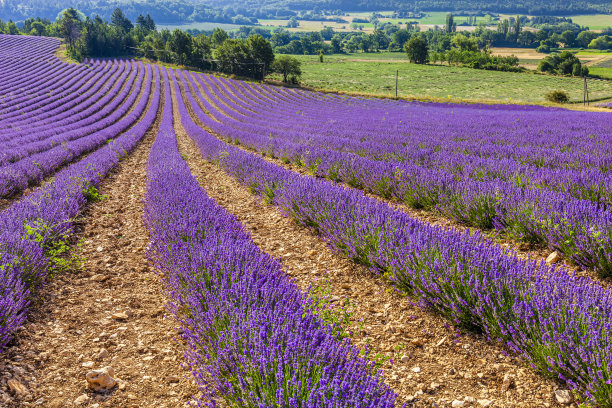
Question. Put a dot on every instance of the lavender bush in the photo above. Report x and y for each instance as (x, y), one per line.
(252, 339)
(557, 322)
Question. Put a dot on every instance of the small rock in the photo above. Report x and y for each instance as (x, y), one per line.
(101, 380)
(17, 388)
(99, 249)
(485, 403)
(102, 354)
(417, 342)
(416, 369)
(88, 364)
(131, 396)
(457, 404)
(119, 316)
(173, 379)
(469, 399)
(564, 397)
(122, 386)
(405, 358)
(508, 382)
(81, 400)
(99, 278)
(553, 258)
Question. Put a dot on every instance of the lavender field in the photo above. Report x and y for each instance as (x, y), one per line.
(354, 171)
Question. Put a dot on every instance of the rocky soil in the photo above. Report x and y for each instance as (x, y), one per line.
(109, 313)
(425, 360)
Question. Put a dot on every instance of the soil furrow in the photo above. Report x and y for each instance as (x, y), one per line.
(111, 312)
(425, 360)
(523, 250)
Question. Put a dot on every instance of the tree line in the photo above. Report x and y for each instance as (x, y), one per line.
(249, 11)
(85, 37)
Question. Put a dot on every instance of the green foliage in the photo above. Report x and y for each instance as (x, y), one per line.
(56, 246)
(337, 315)
(289, 67)
(219, 36)
(417, 50)
(557, 97)
(601, 43)
(244, 57)
(565, 63)
(119, 20)
(92, 195)
(180, 43)
(70, 26)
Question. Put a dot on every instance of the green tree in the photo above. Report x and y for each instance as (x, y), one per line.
(584, 38)
(464, 43)
(201, 50)
(37, 28)
(451, 25)
(260, 50)
(601, 43)
(149, 23)
(70, 27)
(118, 19)
(233, 57)
(327, 33)
(141, 22)
(417, 50)
(336, 44)
(568, 37)
(293, 22)
(400, 38)
(11, 28)
(517, 27)
(379, 40)
(289, 67)
(219, 36)
(180, 44)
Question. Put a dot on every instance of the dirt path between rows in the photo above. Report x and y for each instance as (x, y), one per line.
(110, 313)
(432, 364)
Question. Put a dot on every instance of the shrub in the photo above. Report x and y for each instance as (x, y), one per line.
(557, 96)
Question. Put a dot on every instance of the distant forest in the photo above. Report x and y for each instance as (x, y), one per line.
(244, 12)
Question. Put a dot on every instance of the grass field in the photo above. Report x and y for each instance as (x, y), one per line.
(604, 72)
(358, 73)
(593, 21)
(198, 26)
(430, 20)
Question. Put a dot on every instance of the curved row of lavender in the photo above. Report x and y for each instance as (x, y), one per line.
(558, 323)
(74, 128)
(489, 183)
(31, 225)
(252, 338)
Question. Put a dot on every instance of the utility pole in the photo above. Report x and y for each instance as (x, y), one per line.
(396, 82)
(585, 99)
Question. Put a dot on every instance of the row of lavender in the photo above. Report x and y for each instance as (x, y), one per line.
(42, 131)
(253, 339)
(413, 131)
(511, 156)
(63, 144)
(559, 323)
(31, 226)
(534, 212)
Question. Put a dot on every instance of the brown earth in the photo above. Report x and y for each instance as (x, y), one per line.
(425, 360)
(80, 314)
